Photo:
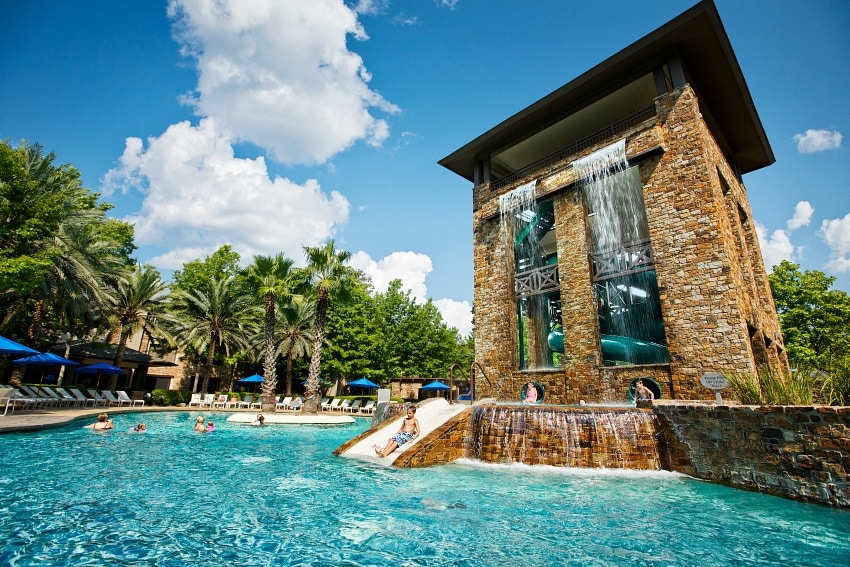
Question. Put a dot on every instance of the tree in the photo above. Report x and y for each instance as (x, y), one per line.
(416, 340)
(295, 322)
(270, 279)
(135, 300)
(354, 342)
(330, 278)
(195, 275)
(218, 315)
(815, 319)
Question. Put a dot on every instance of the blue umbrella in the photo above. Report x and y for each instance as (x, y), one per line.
(46, 359)
(364, 383)
(99, 368)
(435, 385)
(8, 346)
(253, 379)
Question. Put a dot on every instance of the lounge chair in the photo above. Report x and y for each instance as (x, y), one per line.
(343, 406)
(220, 402)
(110, 397)
(282, 404)
(7, 399)
(233, 403)
(26, 401)
(99, 400)
(368, 407)
(195, 400)
(246, 403)
(36, 393)
(208, 400)
(67, 396)
(51, 393)
(296, 404)
(325, 403)
(122, 396)
(333, 405)
(81, 397)
(355, 406)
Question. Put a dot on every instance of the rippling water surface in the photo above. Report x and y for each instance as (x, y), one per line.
(277, 496)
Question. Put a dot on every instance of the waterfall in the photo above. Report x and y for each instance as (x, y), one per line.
(601, 163)
(513, 202)
(566, 437)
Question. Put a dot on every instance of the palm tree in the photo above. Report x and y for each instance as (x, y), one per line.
(270, 279)
(295, 324)
(135, 300)
(329, 278)
(205, 319)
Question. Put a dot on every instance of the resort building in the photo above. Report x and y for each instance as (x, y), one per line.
(613, 237)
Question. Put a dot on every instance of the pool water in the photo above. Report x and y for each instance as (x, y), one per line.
(277, 495)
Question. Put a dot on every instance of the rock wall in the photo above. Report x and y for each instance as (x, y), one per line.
(798, 452)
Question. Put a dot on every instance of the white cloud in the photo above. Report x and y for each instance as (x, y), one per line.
(457, 314)
(802, 216)
(814, 141)
(412, 268)
(198, 196)
(280, 75)
(774, 247)
(836, 233)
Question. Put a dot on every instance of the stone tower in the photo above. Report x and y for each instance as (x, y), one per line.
(613, 237)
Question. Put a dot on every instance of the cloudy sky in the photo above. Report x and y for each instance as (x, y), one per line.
(270, 125)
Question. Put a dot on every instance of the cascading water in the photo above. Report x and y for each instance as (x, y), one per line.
(566, 437)
(629, 309)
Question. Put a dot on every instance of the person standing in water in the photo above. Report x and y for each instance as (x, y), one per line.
(408, 432)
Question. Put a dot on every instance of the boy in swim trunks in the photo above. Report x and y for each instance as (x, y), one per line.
(408, 432)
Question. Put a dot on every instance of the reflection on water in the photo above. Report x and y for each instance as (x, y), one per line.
(277, 496)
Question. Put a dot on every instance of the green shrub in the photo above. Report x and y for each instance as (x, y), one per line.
(835, 385)
(170, 397)
(773, 388)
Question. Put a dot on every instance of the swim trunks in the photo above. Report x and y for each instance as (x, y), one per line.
(401, 438)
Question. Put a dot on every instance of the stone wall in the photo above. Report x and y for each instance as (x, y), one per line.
(713, 288)
(798, 452)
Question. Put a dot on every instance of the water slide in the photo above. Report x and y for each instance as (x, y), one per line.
(430, 413)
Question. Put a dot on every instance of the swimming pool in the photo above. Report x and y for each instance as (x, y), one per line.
(277, 496)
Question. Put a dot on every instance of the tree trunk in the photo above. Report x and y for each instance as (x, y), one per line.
(289, 362)
(207, 368)
(269, 367)
(311, 396)
(123, 337)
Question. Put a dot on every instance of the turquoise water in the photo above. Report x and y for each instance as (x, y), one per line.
(277, 496)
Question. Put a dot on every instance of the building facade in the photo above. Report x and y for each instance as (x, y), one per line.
(613, 237)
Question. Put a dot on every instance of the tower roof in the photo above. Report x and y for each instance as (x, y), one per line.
(698, 38)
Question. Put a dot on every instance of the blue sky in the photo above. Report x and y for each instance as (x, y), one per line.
(273, 125)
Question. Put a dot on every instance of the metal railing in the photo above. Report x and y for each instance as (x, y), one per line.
(608, 132)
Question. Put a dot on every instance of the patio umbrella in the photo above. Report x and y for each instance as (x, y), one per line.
(8, 346)
(254, 379)
(46, 359)
(364, 383)
(434, 386)
(99, 368)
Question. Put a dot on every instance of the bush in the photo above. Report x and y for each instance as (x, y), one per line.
(170, 397)
(773, 388)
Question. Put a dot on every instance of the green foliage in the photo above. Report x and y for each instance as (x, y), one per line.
(772, 388)
(163, 397)
(835, 385)
(195, 275)
(815, 319)
(746, 388)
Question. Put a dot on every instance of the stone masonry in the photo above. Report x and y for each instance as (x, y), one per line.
(715, 297)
